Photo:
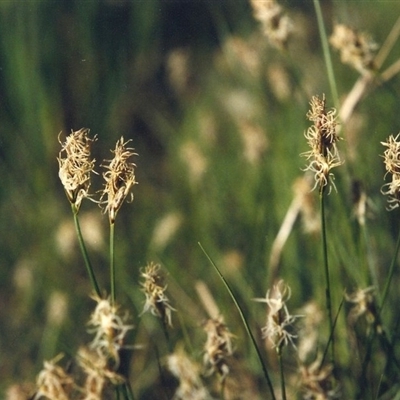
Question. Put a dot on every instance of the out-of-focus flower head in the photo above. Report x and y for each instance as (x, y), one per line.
(279, 321)
(110, 329)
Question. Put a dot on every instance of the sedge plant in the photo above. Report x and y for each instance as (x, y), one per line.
(323, 156)
(101, 360)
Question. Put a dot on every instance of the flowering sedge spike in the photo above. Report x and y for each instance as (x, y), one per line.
(277, 26)
(119, 178)
(218, 347)
(53, 382)
(75, 166)
(309, 331)
(97, 373)
(154, 289)
(317, 381)
(93, 365)
(322, 138)
(279, 320)
(364, 304)
(392, 163)
(110, 329)
(356, 49)
(190, 383)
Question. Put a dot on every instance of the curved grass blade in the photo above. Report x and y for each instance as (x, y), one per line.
(246, 325)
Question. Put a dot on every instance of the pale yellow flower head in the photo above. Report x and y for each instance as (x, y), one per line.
(276, 24)
(392, 163)
(218, 347)
(53, 382)
(279, 322)
(322, 138)
(154, 288)
(119, 179)
(356, 48)
(110, 329)
(75, 165)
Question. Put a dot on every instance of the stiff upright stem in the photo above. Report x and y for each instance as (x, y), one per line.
(112, 265)
(391, 272)
(326, 269)
(283, 388)
(82, 246)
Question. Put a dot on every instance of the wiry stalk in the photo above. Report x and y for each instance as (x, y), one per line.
(245, 323)
(82, 246)
(327, 54)
(372, 334)
(128, 393)
(390, 276)
(112, 263)
(283, 386)
(326, 270)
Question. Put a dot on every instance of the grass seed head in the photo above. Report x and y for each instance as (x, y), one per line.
(53, 382)
(156, 300)
(277, 26)
(364, 304)
(279, 321)
(119, 179)
(188, 373)
(110, 329)
(317, 381)
(75, 165)
(97, 373)
(218, 347)
(392, 163)
(356, 48)
(322, 138)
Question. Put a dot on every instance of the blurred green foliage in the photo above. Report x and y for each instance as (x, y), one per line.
(217, 117)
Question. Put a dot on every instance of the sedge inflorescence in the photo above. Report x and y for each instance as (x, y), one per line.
(218, 347)
(279, 322)
(277, 26)
(357, 49)
(392, 164)
(110, 329)
(119, 179)
(188, 374)
(154, 289)
(364, 304)
(322, 138)
(76, 165)
(53, 382)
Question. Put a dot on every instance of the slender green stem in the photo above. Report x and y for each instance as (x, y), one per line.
(391, 272)
(166, 334)
(128, 391)
(385, 293)
(332, 331)
(112, 264)
(246, 325)
(82, 246)
(372, 277)
(327, 54)
(283, 386)
(326, 269)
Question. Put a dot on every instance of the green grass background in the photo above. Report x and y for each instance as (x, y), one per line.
(105, 65)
